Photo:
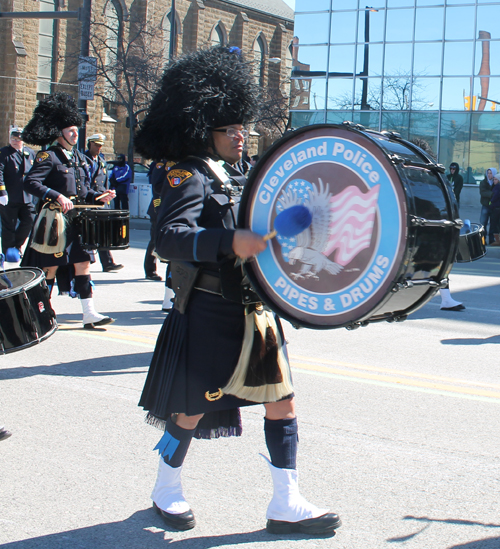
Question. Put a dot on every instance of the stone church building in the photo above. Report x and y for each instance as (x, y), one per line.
(40, 56)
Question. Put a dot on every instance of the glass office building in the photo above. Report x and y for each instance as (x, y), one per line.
(423, 68)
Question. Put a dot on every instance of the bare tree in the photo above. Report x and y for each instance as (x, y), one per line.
(129, 66)
(274, 113)
(396, 95)
(130, 61)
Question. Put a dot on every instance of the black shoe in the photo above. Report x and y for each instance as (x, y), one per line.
(326, 524)
(4, 433)
(455, 308)
(184, 521)
(106, 320)
(153, 276)
(113, 267)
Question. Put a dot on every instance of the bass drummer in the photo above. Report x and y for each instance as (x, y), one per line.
(197, 118)
(61, 175)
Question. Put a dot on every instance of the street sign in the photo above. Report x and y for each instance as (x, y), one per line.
(86, 90)
(87, 69)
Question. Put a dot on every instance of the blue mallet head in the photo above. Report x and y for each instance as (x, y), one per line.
(292, 221)
(12, 255)
(466, 229)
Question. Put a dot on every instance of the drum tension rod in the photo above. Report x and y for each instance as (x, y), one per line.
(396, 159)
(424, 282)
(422, 222)
(350, 124)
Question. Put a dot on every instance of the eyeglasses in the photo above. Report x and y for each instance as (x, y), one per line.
(233, 132)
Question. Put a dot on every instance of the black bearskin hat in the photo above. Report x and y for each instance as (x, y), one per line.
(51, 115)
(202, 90)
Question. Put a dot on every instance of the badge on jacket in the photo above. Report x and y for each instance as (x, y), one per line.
(41, 156)
(177, 177)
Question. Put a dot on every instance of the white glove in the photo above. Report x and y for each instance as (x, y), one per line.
(4, 200)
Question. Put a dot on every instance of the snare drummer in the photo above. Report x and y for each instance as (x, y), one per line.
(59, 173)
(200, 342)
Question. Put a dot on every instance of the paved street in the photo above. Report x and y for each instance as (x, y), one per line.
(398, 430)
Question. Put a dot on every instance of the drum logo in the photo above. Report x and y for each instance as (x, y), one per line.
(340, 264)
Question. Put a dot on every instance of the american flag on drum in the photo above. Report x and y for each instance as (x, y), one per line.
(352, 215)
(342, 226)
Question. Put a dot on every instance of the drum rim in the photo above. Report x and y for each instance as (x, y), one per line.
(39, 276)
(45, 336)
(241, 219)
(114, 214)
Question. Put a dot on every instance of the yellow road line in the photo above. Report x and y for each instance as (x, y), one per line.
(397, 380)
(325, 366)
(403, 373)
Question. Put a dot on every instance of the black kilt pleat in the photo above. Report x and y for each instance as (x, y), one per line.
(196, 353)
(73, 253)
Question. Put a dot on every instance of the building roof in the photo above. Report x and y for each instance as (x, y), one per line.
(277, 8)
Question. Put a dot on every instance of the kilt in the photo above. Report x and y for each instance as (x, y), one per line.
(73, 253)
(196, 354)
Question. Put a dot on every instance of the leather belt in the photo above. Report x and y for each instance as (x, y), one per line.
(209, 283)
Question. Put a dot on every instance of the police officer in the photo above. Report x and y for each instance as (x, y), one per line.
(213, 349)
(17, 209)
(60, 176)
(99, 181)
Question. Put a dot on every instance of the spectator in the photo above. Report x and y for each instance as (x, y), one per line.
(486, 190)
(495, 211)
(120, 179)
(456, 180)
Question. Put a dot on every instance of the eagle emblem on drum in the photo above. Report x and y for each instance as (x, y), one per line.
(341, 227)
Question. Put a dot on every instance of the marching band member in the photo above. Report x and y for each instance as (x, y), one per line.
(59, 177)
(99, 181)
(215, 354)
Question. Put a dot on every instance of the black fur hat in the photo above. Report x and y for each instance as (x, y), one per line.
(51, 115)
(202, 90)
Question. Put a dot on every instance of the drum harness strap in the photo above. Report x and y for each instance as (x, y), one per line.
(262, 373)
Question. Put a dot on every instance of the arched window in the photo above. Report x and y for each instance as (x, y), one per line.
(218, 35)
(170, 46)
(45, 49)
(114, 30)
(259, 55)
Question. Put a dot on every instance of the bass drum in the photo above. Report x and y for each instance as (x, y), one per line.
(384, 231)
(26, 316)
(104, 229)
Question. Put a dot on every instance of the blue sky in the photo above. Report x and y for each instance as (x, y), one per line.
(291, 3)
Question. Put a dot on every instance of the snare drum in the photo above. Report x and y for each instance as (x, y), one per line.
(26, 316)
(384, 231)
(104, 229)
(472, 246)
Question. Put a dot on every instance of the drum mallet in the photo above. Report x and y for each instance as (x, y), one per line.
(291, 222)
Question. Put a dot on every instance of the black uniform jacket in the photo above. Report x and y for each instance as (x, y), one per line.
(99, 179)
(197, 215)
(54, 174)
(14, 165)
(157, 176)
